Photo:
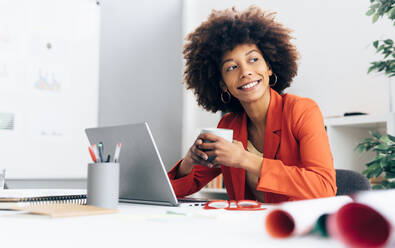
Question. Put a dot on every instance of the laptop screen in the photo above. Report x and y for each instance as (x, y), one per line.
(143, 177)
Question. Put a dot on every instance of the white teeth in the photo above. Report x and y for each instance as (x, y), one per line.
(252, 84)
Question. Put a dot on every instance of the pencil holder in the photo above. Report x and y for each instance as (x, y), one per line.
(103, 185)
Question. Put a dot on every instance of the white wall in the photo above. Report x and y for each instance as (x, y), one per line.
(334, 39)
(142, 46)
(141, 69)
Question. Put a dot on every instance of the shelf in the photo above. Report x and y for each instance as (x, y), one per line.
(345, 133)
(208, 190)
(362, 121)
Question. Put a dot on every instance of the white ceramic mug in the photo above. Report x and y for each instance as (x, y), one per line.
(226, 134)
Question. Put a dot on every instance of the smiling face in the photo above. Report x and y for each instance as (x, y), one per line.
(245, 73)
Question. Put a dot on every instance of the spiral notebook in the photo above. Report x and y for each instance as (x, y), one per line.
(16, 198)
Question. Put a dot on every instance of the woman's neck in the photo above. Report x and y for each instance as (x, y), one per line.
(257, 111)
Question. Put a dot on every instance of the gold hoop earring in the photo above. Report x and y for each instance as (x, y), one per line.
(275, 80)
(229, 97)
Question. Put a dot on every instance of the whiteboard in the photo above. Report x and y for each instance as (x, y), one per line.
(49, 64)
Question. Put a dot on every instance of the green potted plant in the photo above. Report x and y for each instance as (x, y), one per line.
(382, 167)
(378, 9)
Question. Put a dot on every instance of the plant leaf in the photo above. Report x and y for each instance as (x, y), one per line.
(370, 12)
(376, 43)
(381, 47)
(391, 185)
(371, 69)
(376, 134)
(382, 147)
(389, 175)
(368, 172)
(372, 170)
(375, 160)
(384, 162)
(388, 42)
(385, 139)
(378, 172)
(375, 17)
(392, 138)
(377, 186)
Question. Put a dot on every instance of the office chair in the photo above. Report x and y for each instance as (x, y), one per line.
(349, 182)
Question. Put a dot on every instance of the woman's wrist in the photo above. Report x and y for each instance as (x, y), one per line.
(184, 169)
(252, 163)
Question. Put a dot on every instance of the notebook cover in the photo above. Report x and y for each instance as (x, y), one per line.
(66, 210)
(16, 195)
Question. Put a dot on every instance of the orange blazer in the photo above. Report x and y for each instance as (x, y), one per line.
(297, 161)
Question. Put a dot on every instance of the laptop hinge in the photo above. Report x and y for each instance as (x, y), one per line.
(162, 203)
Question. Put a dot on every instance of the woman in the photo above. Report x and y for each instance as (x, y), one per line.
(240, 62)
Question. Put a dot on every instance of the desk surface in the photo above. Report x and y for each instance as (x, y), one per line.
(148, 226)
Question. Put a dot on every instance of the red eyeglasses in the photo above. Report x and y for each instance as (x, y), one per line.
(246, 205)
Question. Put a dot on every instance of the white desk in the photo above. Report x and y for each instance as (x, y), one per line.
(148, 226)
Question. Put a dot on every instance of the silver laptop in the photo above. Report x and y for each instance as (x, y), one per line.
(143, 177)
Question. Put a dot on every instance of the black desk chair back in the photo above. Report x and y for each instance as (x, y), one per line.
(349, 182)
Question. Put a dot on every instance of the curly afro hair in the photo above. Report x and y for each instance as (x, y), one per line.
(222, 32)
